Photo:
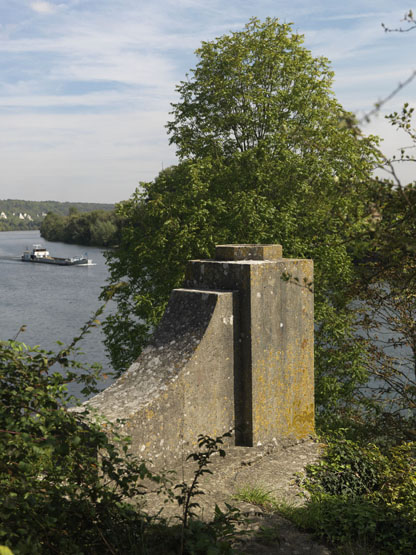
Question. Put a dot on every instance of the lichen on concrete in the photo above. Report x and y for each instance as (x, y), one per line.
(234, 349)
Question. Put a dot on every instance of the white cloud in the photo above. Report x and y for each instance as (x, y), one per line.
(339, 44)
(393, 141)
(41, 6)
(84, 99)
(85, 157)
(357, 15)
(73, 100)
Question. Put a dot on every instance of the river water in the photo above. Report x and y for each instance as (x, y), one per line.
(53, 302)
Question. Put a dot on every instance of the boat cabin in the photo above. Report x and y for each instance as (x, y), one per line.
(37, 252)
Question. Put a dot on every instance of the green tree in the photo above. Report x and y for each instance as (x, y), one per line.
(52, 227)
(254, 88)
(98, 228)
(103, 228)
(386, 288)
(266, 155)
(77, 229)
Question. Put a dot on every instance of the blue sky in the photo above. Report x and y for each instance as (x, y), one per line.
(86, 85)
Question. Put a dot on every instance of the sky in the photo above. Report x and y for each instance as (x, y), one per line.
(86, 85)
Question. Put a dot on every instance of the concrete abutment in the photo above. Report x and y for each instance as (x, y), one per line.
(234, 349)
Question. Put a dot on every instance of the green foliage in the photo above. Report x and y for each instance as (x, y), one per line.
(208, 446)
(256, 495)
(386, 288)
(200, 538)
(13, 223)
(97, 228)
(252, 89)
(361, 495)
(267, 156)
(68, 483)
(62, 482)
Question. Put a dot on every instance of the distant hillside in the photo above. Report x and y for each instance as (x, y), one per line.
(18, 215)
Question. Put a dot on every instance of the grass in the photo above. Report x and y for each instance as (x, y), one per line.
(304, 517)
(257, 495)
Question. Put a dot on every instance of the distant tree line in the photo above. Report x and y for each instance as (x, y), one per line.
(13, 223)
(97, 228)
(20, 215)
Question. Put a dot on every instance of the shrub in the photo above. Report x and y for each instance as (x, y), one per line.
(68, 487)
(359, 494)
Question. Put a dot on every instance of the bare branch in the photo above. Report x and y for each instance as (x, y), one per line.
(408, 18)
(380, 103)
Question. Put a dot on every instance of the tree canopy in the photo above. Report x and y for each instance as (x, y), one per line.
(29, 214)
(252, 88)
(267, 155)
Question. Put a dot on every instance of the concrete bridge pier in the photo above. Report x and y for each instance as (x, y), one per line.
(234, 349)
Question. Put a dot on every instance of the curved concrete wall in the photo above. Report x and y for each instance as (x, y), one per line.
(182, 384)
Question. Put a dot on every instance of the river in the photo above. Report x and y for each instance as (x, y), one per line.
(53, 302)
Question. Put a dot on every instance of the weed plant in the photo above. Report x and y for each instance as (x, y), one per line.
(256, 495)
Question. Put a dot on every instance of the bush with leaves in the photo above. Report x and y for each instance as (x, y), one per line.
(219, 536)
(68, 483)
(62, 481)
(385, 294)
(362, 495)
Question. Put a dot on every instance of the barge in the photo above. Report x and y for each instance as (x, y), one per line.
(41, 255)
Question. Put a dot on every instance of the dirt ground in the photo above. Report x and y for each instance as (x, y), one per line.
(273, 468)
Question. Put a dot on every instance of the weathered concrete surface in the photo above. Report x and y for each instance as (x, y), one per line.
(248, 252)
(182, 384)
(233, 350)
(275, 380)
(273, 468)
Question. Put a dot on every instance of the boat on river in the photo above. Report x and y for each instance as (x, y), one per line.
(41, 255)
